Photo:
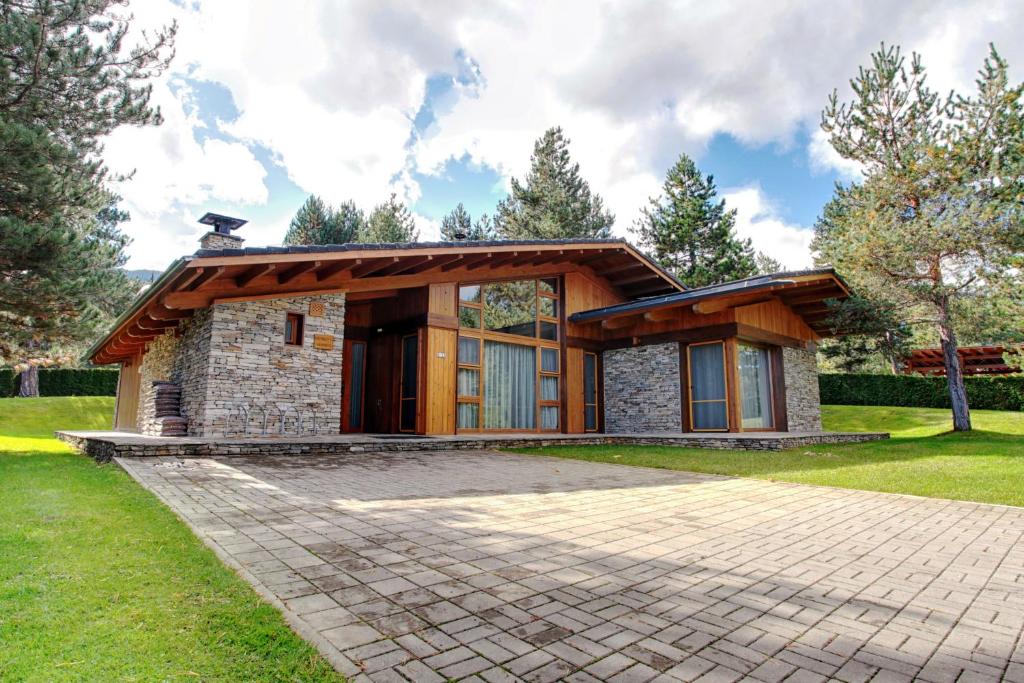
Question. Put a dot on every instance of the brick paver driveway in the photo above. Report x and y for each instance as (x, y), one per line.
(430, 566)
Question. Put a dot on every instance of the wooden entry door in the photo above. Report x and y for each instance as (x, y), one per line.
(353, 380)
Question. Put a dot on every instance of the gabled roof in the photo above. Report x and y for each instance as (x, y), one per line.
(805, 291)
(223, 274)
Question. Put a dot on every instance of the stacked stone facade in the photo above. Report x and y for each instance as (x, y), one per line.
(803, 403)
(238, 376)
(641, 389)
(157, 365)
(251, 368)
(217, 240)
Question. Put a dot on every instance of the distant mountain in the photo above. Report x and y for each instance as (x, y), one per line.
(143, 275)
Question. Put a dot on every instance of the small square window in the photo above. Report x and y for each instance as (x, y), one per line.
(293, 325)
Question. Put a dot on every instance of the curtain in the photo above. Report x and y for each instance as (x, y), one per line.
(510, 376)
(755, 387)
(707, 386)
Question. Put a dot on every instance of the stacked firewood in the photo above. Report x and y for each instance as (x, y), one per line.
(167, 404)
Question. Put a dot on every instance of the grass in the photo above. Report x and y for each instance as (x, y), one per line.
(101, 582)
(922, 458)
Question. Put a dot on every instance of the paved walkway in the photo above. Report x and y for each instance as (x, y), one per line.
(434, 566)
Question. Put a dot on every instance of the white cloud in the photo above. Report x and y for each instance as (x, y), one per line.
(759, 221)
(331, 89)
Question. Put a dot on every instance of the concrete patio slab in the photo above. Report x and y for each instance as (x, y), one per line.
(428, 566)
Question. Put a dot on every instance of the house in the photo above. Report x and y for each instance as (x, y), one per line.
(566, 336)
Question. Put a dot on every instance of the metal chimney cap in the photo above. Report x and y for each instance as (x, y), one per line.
(222, 224)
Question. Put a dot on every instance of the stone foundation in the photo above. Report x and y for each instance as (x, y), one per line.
(803, 403)
(641, 389)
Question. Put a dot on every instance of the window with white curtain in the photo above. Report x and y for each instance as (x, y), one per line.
(755, 387)
(510, 382)
(708, 409)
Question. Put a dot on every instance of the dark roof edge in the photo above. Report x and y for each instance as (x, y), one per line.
(750, 284)
(140, 301)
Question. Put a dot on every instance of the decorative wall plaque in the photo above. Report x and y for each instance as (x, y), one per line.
(324, 342)
(316, 309)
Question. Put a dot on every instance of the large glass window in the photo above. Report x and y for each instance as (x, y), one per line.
(708, 409)
(502, 383)
(511, 308)
(510, 376)
(755, 387)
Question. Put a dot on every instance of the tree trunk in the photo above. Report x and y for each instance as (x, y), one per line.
(954, 373)
(29, 382)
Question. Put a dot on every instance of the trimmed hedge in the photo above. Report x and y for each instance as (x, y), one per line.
(64, 382)
(913, 391)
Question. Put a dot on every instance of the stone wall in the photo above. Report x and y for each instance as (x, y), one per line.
(217, 240)
(641, 389)
(251, 368)
(157, 364)
(192, 368)
(803, 404)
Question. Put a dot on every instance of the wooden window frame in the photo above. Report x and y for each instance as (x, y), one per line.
(477, 400)
(298, 326)
(536, 342)
(725, 381)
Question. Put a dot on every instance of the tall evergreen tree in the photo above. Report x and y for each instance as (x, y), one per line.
(554, 202)
(484, 228)
(690, 232)
(317, 223)
(390, 222)
(66, 80)
(457, 225)
(938, 217)
(309, 223)
(766, 265)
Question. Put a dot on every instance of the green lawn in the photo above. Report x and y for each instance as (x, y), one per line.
(922, 458)
(100, 582)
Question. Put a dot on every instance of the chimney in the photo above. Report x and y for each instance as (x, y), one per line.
(220, 237)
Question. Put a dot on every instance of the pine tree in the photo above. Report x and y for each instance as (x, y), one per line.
(66, 80)
(691, 234)
(390, 222)
(347, 222)
(457, 225)
(554, 202)
(317, 223)
(309, 223)
(766, 265)
(484, 228)
(937, 220)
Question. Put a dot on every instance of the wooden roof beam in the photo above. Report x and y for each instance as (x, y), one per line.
(496, 262)
(297, 270)
(253, 272)
(437, 262)
(335, 268)
(620, 323)
(207, 276)
(158, 311)
(406, 265)
(467, 261)
(549, 257)
(661, 314)
(373, 266)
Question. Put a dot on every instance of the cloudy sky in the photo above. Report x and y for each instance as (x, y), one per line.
(267, 102)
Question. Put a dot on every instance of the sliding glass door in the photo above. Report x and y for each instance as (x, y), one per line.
(755, 387)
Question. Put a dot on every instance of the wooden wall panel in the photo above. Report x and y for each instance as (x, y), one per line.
(775, 316)
(442, 298)
(583, 293)
(127, 410)
(574, 390)
(439, 381)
